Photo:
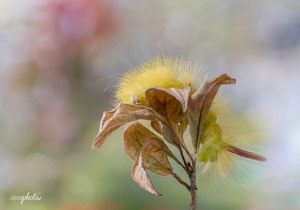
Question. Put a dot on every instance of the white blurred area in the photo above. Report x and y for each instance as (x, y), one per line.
(47, 103)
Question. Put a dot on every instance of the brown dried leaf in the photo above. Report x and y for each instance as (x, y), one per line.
(171, 104)
(156, 126)
(117, 117)
(154, 155)
(140, 176)
(164, 128)
(126, 113)
(200, 103)
(134, 138)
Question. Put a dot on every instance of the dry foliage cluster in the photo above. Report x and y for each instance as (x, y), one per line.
(170, 111)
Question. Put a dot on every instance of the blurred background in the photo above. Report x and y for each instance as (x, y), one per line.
(60, 61)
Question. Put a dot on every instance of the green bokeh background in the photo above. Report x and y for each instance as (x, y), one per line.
(60, 63)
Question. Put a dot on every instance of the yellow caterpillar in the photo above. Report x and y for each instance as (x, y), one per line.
(164, 73)
(217, 144)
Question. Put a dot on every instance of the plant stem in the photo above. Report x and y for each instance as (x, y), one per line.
(188, 153)
(184, 161)
(193, 186)
(190, 169)
(184, 166)
(180, 180)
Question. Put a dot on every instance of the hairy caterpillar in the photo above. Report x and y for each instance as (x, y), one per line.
(217, 146)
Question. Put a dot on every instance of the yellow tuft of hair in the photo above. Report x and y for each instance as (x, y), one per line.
(161, 72)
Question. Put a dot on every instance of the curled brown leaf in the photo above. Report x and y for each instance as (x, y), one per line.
(117, 117)
(156, 126)
(140, 176)
(171, 104)
(134, 137)
(200, 103)
(153, 156)
(125, 113)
